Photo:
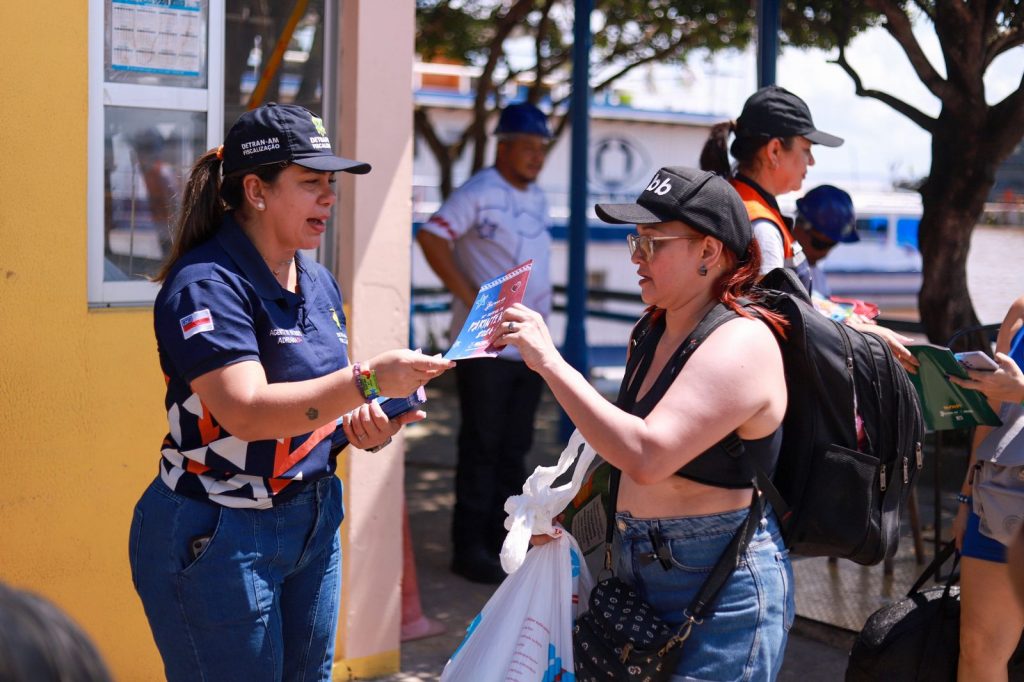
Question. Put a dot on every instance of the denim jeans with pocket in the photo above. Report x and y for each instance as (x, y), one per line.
(745, 636)
(260, 599)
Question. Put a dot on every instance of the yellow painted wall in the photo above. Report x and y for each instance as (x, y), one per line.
(81, 400)
(81, 393)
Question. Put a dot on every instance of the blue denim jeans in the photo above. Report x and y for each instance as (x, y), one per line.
(259, 602)
(745, 636)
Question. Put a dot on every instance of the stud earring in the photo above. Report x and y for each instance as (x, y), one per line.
(702, 270)
(260, 206)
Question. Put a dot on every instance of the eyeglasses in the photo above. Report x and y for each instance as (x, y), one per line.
(646, 244)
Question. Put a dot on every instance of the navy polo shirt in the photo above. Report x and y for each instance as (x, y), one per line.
(219, 305)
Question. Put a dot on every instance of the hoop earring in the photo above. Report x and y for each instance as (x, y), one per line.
(702, 270)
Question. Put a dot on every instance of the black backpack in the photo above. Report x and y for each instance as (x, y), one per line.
(833, 496)
(844, 499)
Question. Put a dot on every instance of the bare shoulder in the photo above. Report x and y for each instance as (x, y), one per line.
(749, 333)
(740, 345)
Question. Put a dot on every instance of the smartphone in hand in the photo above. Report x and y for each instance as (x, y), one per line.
(976, 360)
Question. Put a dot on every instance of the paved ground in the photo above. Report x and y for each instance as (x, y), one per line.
(814, 652)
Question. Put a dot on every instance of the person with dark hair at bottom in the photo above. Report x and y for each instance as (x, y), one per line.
(234, 546)
(39, 643)
(495, 221)
(682, 497)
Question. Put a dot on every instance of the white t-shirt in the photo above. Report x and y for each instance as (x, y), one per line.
(768, 237)
(773, 251)
(495, 227)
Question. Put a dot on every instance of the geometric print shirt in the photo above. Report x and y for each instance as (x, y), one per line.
(221, 305)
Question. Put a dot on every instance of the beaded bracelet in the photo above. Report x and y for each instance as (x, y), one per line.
(366, 382)
(964, 499)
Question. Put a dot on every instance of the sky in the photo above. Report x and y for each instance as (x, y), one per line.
(881, 145)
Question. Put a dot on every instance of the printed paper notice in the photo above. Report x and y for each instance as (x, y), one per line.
(157, 36)
(476, 340)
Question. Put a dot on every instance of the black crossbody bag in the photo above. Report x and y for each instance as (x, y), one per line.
(620, 636)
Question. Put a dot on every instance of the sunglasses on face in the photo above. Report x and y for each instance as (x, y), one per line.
(645, 244)
(819, 243)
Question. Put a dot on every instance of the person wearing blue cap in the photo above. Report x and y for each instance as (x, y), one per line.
(497, 220)
(234, 546)
(824, 218)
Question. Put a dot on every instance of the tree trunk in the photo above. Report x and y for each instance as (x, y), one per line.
(961, 176)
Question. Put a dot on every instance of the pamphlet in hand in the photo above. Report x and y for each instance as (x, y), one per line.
(392, 407)
(476, 340)
(944, 404)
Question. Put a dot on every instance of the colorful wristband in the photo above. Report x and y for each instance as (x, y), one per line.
(366, 382)
(964, 499)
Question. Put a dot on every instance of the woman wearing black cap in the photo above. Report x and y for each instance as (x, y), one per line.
(772, 148)
(681, 408)
(234, 546)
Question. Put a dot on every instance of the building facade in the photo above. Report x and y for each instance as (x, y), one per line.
(106, 104)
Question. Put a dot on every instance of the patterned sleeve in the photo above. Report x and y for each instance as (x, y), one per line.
(205, 326)
(456, 215)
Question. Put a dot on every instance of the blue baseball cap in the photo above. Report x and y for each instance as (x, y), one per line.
(829, 210)
(522, 118)
(274, 133)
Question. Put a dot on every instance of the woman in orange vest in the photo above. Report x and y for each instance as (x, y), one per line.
(772, 148)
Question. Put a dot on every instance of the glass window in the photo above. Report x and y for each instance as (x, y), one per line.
(164, 84)
(156, 42)
(257, 69)
(147, 156)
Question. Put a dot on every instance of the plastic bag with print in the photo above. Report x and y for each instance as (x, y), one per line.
(524, 631)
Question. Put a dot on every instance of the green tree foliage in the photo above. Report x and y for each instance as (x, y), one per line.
(628, 34)
(970, 137)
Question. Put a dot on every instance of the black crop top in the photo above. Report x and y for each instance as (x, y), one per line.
(720, 465)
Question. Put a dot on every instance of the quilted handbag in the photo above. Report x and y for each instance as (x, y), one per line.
(621, 638)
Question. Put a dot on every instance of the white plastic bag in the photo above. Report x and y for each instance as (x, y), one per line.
(532, 512)
(524, 631)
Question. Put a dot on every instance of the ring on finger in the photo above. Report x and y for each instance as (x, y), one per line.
(511, 327)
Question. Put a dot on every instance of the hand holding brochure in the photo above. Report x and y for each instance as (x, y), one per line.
(476, 340)
(944, 404)
(392, 407)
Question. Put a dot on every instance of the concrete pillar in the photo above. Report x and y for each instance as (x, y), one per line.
(374, 222)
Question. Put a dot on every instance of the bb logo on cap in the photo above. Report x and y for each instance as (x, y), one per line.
(661, 190)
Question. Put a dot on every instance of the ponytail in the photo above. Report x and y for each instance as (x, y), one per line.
(202, 211)
(207, 199)
(738, 284)
(715, 154)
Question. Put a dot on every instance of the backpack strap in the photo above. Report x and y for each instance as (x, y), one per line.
(701, 604)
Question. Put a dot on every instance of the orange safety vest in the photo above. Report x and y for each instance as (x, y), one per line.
(759, 209)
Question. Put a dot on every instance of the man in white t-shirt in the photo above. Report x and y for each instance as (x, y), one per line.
(495, 221)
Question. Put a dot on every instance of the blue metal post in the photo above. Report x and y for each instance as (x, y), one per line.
(575, 348)
(767, 41)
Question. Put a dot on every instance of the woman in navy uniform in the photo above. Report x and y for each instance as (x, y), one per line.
(234, 547)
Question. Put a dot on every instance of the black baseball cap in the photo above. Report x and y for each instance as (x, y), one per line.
(777, 112)
(274, 133)
(701, 199)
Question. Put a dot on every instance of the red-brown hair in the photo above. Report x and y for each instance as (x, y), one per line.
(737, 286)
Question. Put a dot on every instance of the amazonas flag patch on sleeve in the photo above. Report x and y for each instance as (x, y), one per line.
(199, 321)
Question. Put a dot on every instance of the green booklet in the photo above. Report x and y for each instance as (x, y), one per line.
(944, 404)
